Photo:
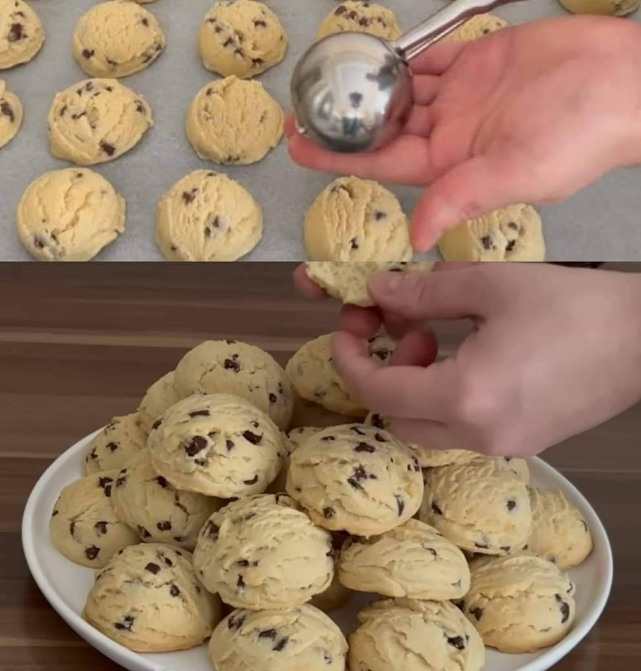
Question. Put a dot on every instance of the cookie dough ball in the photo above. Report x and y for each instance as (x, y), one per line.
(519, 467)
(416, 635)
(159, 397)
(278, 640)
(96, 121)
(219, 445)
(84, 525)
(293, 440)
(512, 233)
(148, 599)
(116, 39)
(559, 532)
(69, 215)
(231, 367)
(360, 17)
(475, 28)
(520, 604)
(233, 121)
(356, 478)
(242, 38)
(10, 115)
(123, 439)
(21, 33)
(207, 217)
(356, 219)
(263, 552)
(607, 7)
(160, 513)
(308, 413)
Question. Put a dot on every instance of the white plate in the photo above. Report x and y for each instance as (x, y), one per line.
(65, 585)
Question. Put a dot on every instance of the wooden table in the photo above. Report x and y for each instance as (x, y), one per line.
(80, 344)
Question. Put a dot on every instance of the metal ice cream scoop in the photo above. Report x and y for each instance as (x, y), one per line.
(352, 92)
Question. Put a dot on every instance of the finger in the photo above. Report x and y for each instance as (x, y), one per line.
(425, 89)
(360, 322)
(415, 348)
(420, 122)
(437, 59)
(396, 326)
(442, 266)
(428, 434)
(289, 127)
(306, 286)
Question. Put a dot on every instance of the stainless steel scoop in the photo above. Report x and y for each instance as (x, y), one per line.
(352, 92)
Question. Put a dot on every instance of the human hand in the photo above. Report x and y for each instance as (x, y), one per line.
(532, 113)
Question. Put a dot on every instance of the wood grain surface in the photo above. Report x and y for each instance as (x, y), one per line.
(79, 344)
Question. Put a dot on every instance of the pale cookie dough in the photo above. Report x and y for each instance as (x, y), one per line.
(69, 215)
(96, 121)
(296, 639)
(207, 217)
(21, 33)
(336, 595)
(263, 552)
(156, 510)
(219, 445)
(232, 367)
(242, 38)
(347, 280)
(413, 560)
(11, 114)
(512, 233)
(123, 439)
(518, 466)
(481, 506)
(607, 7)
(475, 28)
(233, 121)
(84, 525)
(360, 17)
(308, 413)
(559, 532)
(355, 219)
(520, 604)
(414, 636)
(148, 599)
(159, 397)
(293, 440)
(356, 478)
(116, 39)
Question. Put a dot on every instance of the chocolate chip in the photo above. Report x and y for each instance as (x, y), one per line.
(477, 612)
(356, 99)
(511, 504)
(353, 244)
(513, 226)
(143, 532)
(328, 513)
(510, 245)
(230, 445)
(156, 424)
(101, 528)
(585, 526)
(235, 623)
(75, 117)
(353, 15)
(122, 479)
(240, 583)
(253, 481)
(273, 398)
(268, 633)
(211, 530)
(199, 413)
(190, 196)
(378, 215)
(179, 539)
(280, 646)
(162, 482)
(145, 22)
(63, 110)
(228, 41)
(196, 445)
(15, 32)
(565, 609)
(6, 110)
(126, 624)
(327, 656)
(481, 546)
(174, 591)
(328, 439)
(105, 485)
(242, 562)
(377, 421)
(54, 513)
(112, 446)
(486, 241)
(400, 503)
(364, 21)
(506, 549)
(152, 568)
(364, 447)
(436, 510)
(230, 364)
(340, 10)
(257, 62)
(164, 526)
(109, 149)
(92, 552)
(457, 641)
(88, 53)
(252, 438)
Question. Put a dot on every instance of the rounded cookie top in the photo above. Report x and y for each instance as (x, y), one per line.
(445, 640)
(97, 120)
(559, 531)
(219, 445)
(207, 217)
(69, 215)
(242, 38)
(476, 27)
(360, 17)
(480, 506)
(232, 367)
(149, 599)
(159, 397)
(356, 478)
(299, 436)
(607, 7)
(519, 604)
(116, 445)
(278, 640)
(263, 552)
(116, 39)
(21, 33)
(11, 114)
(156, 510)
(308, 413)
(233, 121)
(84, 525)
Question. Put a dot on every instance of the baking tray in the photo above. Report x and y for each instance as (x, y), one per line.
(601, 223)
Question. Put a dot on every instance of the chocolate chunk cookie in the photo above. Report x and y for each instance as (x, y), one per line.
(21, 33)
(123, 439)
(10, 115)
(159, 397)
(360, 17)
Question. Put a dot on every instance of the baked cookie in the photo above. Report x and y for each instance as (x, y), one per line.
(242, 38)
(233, 121)
(607, 7)
(475, 28)
(11, 114)
(123, 439)
(232, 367)
(84, 525)
(219, 445)
(355, 219)
(159, 397)
(336, 595)
(69, 215)
(278, 640)
(148, 599)
(156, 510)
(263, 552)
(559, 532)
(518, 466)
(413, 560)
(293, 440)
(519, 604)
(481, 506)
(116, 39)
(308, 413)
(360, 17)
(21, 33)
(207, 217)
(417, 635)
(512, 233)
(97, 121)
(356, 478)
